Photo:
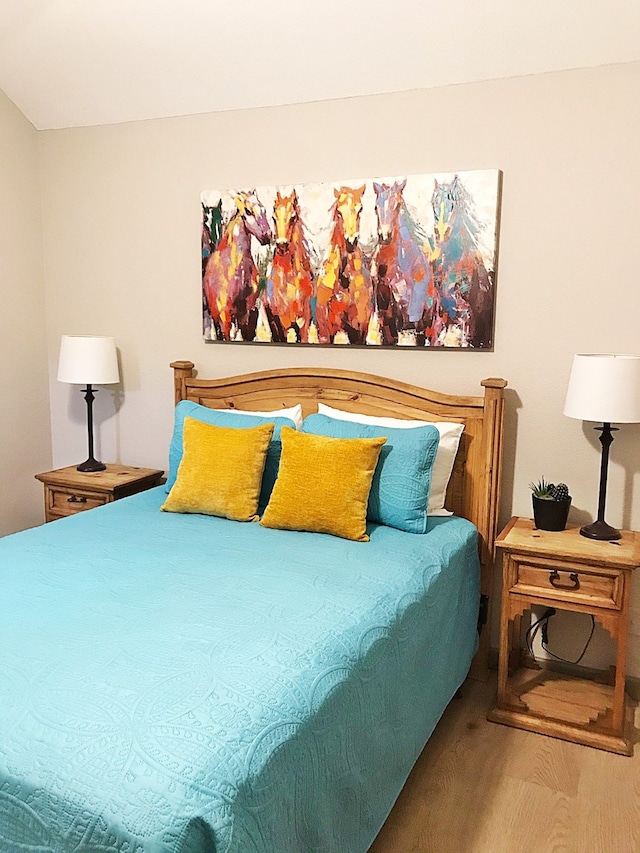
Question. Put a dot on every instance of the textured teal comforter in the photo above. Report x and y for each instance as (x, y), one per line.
(184, 684)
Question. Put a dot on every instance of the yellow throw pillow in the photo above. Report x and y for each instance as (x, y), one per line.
(323, 484)
(220, 472)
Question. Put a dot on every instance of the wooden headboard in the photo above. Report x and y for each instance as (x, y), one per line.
(474, 488)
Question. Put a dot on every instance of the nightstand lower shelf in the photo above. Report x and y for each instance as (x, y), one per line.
(565, 707)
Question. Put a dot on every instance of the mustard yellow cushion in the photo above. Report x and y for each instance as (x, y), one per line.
(323, 484)
(220, 472)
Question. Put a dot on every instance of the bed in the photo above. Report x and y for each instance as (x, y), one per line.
(183, 683)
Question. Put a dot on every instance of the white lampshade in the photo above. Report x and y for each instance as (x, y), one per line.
(604, 388)
(88, 359)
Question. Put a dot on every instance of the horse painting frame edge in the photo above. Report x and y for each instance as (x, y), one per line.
(383, 263)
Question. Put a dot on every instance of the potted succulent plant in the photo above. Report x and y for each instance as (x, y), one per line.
(550, 504)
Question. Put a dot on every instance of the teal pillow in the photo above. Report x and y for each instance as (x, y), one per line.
(400, 489)
(218, 417)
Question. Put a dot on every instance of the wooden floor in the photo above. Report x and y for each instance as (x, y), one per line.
(480, 787)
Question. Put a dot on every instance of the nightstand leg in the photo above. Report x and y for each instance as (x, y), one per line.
(505, 634)
(621, 665)
(619, 687)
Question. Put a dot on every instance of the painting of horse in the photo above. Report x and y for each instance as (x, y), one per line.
(404, 261)
(403, 284)
(344, 297)
(462, 281)
(289, 289)
(211, 230)
(230, 280)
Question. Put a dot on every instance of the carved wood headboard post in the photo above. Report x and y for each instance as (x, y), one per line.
(488, 507)
(492, 432)
(181, 370)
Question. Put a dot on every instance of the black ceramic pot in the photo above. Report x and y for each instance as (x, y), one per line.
(550, 515)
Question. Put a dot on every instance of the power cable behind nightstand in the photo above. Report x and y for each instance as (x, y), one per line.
(545, 639)
(533, 629)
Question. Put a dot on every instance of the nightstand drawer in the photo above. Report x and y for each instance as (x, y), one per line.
(70, 502)
(568, 583)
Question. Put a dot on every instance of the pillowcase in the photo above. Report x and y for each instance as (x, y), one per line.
(445, 457)
(323, 484)
(400, 489)
(221, 417)
(220, 472)
(293, 414)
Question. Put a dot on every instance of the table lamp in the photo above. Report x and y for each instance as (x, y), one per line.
(88, 360)
(604, 388)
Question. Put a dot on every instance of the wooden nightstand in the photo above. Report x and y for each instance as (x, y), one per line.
(566, 571)
(68, 491)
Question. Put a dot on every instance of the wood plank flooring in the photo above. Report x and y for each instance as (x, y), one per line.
(480, 787)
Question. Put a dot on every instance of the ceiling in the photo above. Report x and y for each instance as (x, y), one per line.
(68, 63)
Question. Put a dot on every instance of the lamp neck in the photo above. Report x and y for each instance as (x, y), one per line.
(90, 464)
(599, 529)
(606, 440)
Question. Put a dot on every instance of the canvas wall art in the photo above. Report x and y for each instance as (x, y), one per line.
(403, 261)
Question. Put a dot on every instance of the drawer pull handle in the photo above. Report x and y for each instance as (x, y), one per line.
(77, 499)
(554, 580)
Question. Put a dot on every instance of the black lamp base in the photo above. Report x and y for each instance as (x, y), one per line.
(600, 530)
(91, 465)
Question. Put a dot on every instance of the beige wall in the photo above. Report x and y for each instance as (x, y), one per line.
(25, 439)
(121, 239)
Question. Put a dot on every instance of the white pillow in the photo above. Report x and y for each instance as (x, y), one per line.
(294, 414)
(445, 457)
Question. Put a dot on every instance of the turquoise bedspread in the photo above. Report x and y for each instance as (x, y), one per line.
(184, 684)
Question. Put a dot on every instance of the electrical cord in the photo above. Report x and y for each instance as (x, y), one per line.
(533, 629)
(542, 625)
(545, 640)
